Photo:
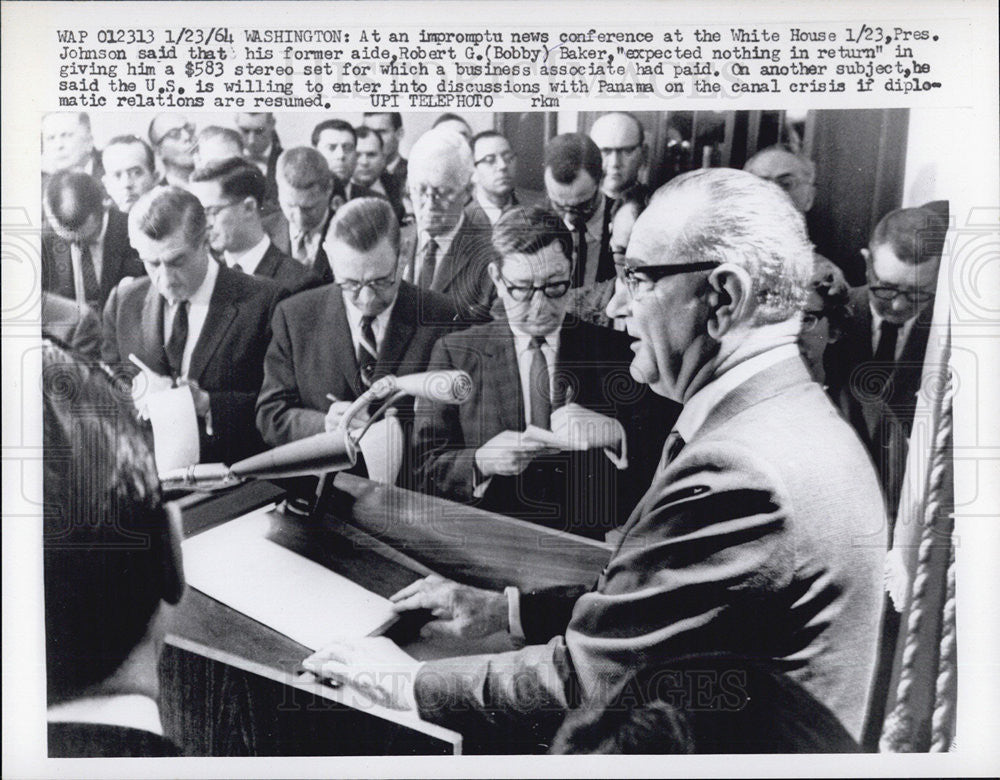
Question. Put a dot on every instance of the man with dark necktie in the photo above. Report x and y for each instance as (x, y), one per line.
(573, 173)
(85, 245)
(446, 250)
(334, 341)
(747, 541)
(531, 360)
(192, 323)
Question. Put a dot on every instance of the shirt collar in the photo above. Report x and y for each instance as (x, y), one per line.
(379, 324)
(522, 340)
(904, 330)
(250, 258)
(443, 241)
(127, 710)
(700, 405)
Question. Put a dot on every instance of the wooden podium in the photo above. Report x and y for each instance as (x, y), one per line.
(231, 686)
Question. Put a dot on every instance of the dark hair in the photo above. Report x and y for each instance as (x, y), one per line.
(105, 531)
(303, 168)
(363, 222)
(569, 153)
(915, 235)
(238, 178)
(395, 117)
(483, 136)
(72, 198)
(526, 230)
(333, 124)
(367, 132)
(164, 210)
(449, 117)
(129, 140)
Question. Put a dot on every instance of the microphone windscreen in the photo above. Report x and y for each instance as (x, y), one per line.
(329, 451)
(446, 387)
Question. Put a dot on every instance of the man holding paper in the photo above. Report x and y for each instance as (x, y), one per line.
(752, 540)
(191, 323)
(538, 439)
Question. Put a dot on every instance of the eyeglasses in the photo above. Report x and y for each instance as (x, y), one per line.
(439, 195)
(175, 133)
(607, 151)
(810, 319)
(353, 287)
(645, 277)
(491, 159)
(211, 212)
(522, 294)
(889, 292)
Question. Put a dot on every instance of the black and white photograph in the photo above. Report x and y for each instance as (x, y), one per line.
(625, 426)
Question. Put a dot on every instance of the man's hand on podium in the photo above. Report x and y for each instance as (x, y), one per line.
(374, 666)
(461, 610)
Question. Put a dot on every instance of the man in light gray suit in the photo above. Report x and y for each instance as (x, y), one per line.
(761, 534)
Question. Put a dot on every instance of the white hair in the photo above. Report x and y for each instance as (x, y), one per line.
(730, 216)
(442, 147)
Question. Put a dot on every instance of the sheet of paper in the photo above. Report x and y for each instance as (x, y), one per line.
(175, 429)
(575, 427)
(382, 447)
(236, 564)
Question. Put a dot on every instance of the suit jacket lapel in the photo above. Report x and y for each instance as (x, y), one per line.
(151, 339)
(451, 262)
(402, 324)
(222, 310)
(268, 265)
(342, 344)
(500, 371)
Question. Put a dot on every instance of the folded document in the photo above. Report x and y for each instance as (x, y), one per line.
(575, 427)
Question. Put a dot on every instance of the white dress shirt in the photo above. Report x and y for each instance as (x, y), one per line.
(314, 239)
(904, 333)
(522, 346)
(248, 259)
(379, 325)
(593, 230)
(493, 212)
(197, 312)
(443, 246)
(133, 711)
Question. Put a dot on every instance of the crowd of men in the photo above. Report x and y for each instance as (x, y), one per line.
(278, 284)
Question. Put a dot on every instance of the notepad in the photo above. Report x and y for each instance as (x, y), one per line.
(237, 564)
(575, 427)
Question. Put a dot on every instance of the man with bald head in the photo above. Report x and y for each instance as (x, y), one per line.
(172, 137)
(450, 252)
(794, 173)
(622, 140)
(748, 541)
(67, 144)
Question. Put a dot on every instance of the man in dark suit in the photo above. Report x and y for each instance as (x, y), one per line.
(129, 170)
(172, 137)
(305, 194)
(446, 251)
(231, 192)
(193, 323)
(573, 175)
(389, 126)
(111, 568)
(494, 179)
(72, 325)
(875, 368)
(85, 245)
(262, 147)
(68, 145)
(524, 365)
(751, 540)
(621, 139)
(368, 168)
(338, 339)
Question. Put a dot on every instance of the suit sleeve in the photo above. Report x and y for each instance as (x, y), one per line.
(109, 330)
(697, 572)
(281, 415)
(444, 465)
(86, 336)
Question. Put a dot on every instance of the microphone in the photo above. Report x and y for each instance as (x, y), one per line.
(445, 387)
(329, 451)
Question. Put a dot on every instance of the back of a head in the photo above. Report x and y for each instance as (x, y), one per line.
(363, 222)
(71, 198)
(222, 138)
(915, 235)
(729, 216)
(569, 153)
(105, 530)
(303, 168)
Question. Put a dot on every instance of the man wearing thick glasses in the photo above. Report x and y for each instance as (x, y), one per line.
(525, 365)
(761, 532)
(875, 368)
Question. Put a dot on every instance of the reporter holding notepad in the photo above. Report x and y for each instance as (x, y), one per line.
(528, 363)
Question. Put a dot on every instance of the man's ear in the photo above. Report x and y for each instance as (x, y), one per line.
(867, 255)
(172, 587)
(728, 298)
(494, 270)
